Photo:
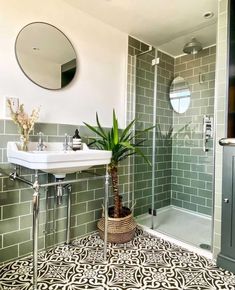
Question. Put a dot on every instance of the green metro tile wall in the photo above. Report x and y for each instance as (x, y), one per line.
(188, 159)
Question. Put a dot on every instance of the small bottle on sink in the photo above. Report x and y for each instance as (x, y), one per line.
(77, 141)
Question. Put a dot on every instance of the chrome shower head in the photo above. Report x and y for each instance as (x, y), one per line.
(192, 47)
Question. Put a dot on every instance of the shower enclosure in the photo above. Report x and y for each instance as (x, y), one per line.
(175, 195)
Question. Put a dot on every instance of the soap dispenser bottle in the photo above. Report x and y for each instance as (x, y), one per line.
(77, 141)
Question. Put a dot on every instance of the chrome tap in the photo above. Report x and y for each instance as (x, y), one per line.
(41, 146)
(66, 144)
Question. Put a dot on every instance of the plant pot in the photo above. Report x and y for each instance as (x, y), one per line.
(120, 230)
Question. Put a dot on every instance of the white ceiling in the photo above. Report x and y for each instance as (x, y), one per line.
(167, 24)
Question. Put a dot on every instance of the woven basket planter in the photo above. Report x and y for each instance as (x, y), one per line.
(120, 230)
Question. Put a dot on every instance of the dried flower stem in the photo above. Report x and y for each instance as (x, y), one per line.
(23, 120)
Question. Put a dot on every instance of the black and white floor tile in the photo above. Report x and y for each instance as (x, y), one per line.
(147, 262)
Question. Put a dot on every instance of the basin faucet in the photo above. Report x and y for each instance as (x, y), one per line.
(66, 145)
(41, 146)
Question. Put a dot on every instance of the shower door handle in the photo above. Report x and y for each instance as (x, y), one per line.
(227, 142)
(207, 131)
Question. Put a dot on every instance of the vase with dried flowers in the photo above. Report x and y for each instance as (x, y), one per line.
(24, 121)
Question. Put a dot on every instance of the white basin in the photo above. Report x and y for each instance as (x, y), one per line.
(56, 161)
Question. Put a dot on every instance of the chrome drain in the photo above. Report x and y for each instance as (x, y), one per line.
(205, 246)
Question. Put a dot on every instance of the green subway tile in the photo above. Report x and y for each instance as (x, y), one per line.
(178, 158)
(205, 177)
(79, 208)
(208, 59)
(85, 196)
(134, 42)
(9, 184)
(0, 241)
(67, 129)
(198, 167)
(177, 202)
(26, 194)
(209, 203)
(60, 237)
(190, 206)
(198, 184)
(61, 224)
(189, 174)
(6, 138)
(193, 63)
(9, 253)
(78, 231)
(186, 58)
(205, 210)
(95, 204)
(184, 151)
(16, 237)
(46, 129)
(15, 210)
(9, 225)
(209, 185)
(177, 187)
(205, 193)
(183, 197)
(85, 217)
(191, 159)
(190, 190)
(137, 211)
(27, 221)
(166, 202)
(95, 184)
(9, 197)
(198, 200)
(138, 194)
(11, 127)
(1, 126)
(130, 50)
(26, 248)
(183, 181)
(183, 166)
(91, 227)
(80, 186)
(61, 212)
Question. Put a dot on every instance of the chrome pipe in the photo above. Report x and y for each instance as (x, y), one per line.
(14, 176)
(59, 194)
(70, 181)
(47, 219)
(35, 229)
(69, 191)
(106, 212)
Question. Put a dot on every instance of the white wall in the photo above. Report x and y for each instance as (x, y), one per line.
(99, 85)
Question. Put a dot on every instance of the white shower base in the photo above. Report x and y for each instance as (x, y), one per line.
(180, 224)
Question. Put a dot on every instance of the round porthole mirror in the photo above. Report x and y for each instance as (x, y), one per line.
(180, 95)
(45, 55)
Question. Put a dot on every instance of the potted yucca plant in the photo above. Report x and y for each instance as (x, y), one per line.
(122, 143)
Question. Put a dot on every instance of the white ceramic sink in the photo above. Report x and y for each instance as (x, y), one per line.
(55, 160)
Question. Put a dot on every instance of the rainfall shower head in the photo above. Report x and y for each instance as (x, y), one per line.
(192, 47)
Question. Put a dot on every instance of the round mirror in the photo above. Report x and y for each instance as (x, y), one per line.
(45, 55)
(180, 95)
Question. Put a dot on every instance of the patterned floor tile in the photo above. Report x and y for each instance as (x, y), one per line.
(145, 263)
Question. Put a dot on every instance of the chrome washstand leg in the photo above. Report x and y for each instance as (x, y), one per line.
(106, 213)
(69, 190)
(35, 229)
